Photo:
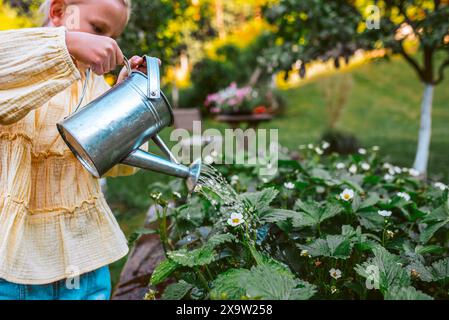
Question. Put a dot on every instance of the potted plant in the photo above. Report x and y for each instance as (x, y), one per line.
(235, 100)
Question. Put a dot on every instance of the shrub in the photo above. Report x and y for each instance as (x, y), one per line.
(324, 227)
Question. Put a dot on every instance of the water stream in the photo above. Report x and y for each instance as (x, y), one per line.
(214, 187)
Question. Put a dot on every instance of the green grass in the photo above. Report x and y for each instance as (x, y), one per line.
(383, 109)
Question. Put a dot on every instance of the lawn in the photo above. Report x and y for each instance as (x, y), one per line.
(383, 109)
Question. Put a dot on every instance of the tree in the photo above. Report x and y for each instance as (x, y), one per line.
(156, 28)
(309, 30)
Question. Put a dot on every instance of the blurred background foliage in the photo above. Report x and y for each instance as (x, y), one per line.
(308, 53)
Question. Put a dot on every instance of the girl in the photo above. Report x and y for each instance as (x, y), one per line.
(57, 234)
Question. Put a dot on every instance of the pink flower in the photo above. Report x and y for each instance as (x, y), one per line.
(233, 102)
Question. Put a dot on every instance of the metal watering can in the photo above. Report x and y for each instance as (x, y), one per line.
(110, 129)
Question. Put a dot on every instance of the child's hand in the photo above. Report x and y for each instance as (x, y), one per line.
(101, 54)
(137, 63)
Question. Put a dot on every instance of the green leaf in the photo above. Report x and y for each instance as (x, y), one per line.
(428, 232)
(372, 200)
(219, 239)
(163, 271)
(334, 246)
(359, 239)
(228, 285)
(435, 220)
(421, 271)
(371, 220)
(276, 215)
(439, 270)
(200, 256)
(385, 270)
(439, 214)
(329, 211)
(136, 235)
(260, 201)
(353, 182)
(406, 293)
(356, 203)
(267, 283)
(429, 249)
(197, 257)
(311, 213)
(270, 281)
(324, 175)
(176, 291)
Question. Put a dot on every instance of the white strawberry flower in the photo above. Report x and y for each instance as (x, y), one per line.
(386, 165)
(397, 170)
(347, 195)
(319, 151)
(289, 185)
(362, 151)
(388, 177)
(325, 145)
(235, 219)
(340, 165)
(310, 146)
(440, 185)
(304, 253)
(384, 213)
(365, 166)
(335, 273)
(234, 179)
(414, 172)
(403, 195)
(353, 169)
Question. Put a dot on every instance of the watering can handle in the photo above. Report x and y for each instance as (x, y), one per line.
(154, 78)
(88, 72)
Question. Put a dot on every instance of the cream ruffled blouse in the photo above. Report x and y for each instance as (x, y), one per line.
(54, 220)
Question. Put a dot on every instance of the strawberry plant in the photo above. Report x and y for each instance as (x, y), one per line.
(322, 227)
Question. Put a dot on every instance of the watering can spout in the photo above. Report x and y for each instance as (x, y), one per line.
(145, 160)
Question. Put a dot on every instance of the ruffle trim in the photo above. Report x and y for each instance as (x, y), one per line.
(8, 136)
(93, 200)
(50, 154)
(14, 136)
(42, 252)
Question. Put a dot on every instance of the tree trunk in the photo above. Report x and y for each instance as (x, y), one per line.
(425, 131)
(175, 96)
(219, 18)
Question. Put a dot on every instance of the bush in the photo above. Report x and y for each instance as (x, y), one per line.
(324, 227)
(233, 64)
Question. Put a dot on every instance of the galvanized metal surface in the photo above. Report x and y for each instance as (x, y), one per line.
(110, 129)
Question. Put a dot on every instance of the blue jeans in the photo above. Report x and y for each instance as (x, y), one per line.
(94, 285)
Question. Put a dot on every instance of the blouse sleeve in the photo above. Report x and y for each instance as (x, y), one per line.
(100, 87)
(35, 65)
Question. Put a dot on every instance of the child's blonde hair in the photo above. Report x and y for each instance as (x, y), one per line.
(45, 10)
